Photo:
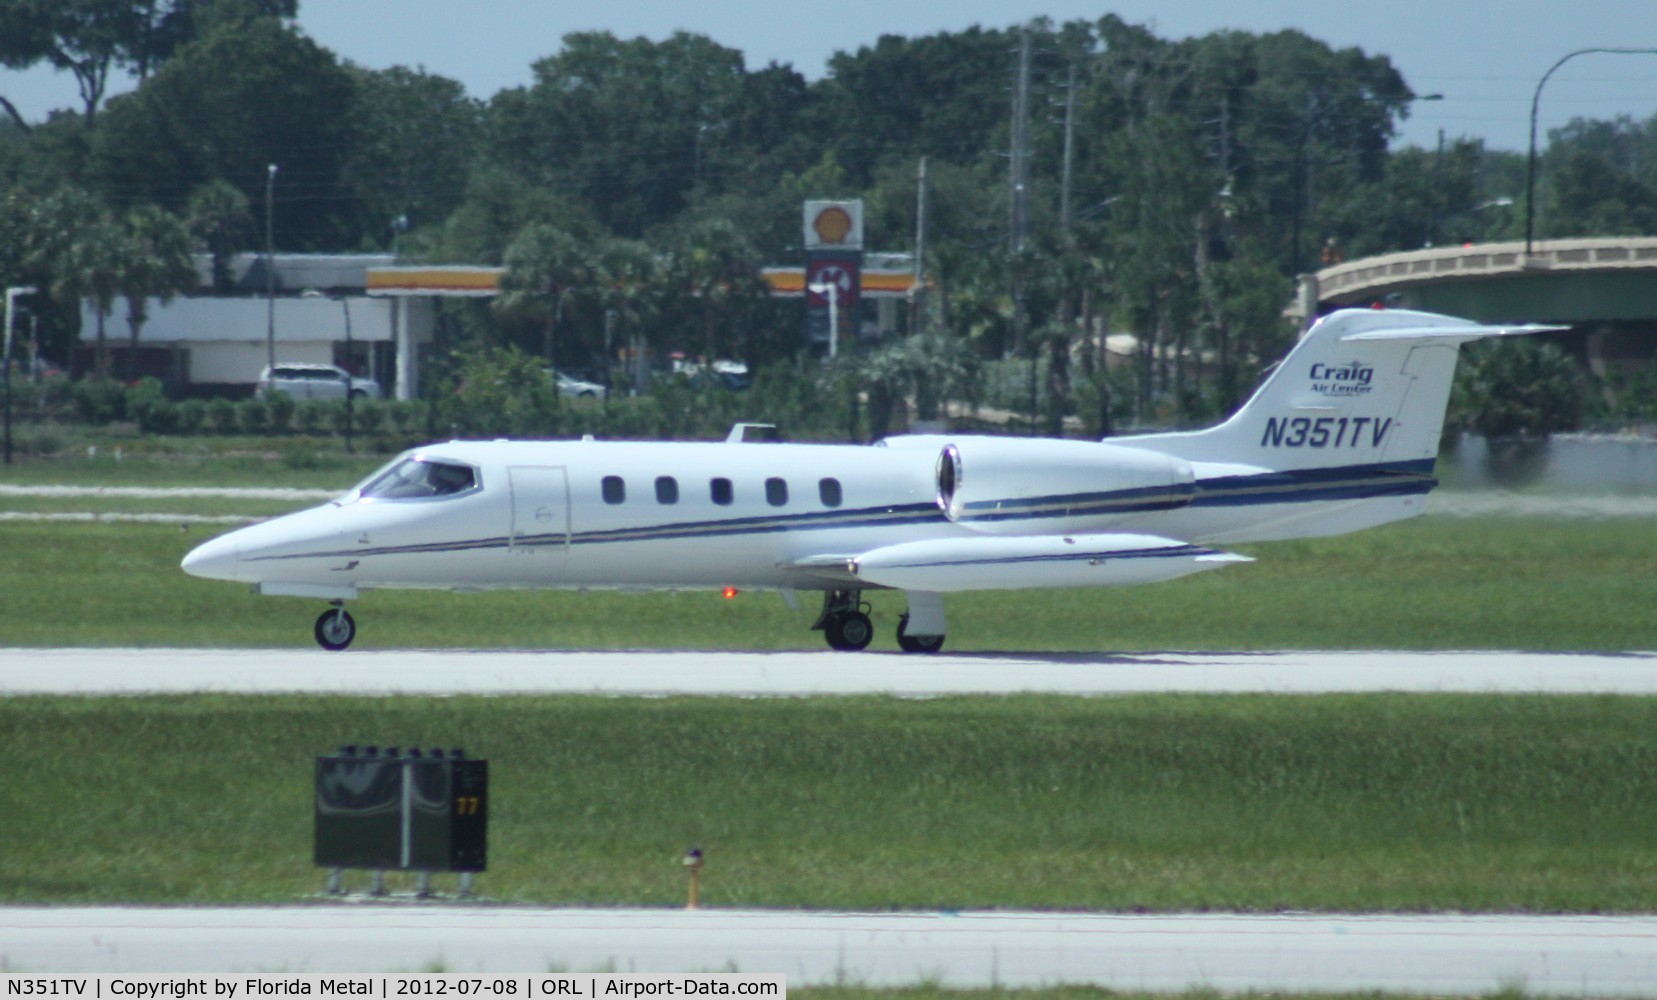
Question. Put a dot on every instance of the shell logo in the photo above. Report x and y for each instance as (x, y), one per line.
(832, 224)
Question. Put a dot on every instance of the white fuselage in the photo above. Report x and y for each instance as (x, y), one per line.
(539, 517)
(632, 515)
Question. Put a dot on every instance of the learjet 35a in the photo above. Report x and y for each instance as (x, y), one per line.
(1341, 436)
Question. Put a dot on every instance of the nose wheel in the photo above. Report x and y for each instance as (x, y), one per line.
(335, 628)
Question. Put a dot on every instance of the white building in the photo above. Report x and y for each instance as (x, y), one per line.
(220, 341)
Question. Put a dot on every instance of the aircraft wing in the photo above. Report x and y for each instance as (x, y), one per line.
(1019, 562)
(840, 570)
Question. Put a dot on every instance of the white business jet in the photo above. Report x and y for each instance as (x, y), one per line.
(1342, 436)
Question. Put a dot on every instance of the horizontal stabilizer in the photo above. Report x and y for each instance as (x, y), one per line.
(1458, 333)
(1019, 563)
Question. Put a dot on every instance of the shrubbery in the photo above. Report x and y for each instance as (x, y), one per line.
(1525, 387)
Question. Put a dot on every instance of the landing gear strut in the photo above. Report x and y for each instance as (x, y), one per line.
(335, 628)
(845, 620)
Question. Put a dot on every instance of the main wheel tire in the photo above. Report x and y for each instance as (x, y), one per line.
(335, 628)
(917, 643)
(849, 631)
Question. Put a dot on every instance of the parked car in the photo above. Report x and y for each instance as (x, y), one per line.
(303, 381)
(569, 385)
(732, 375)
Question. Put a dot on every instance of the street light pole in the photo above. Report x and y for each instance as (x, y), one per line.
(11, 297)
(350, 380)
(1535, 101)
(831, 290)
(270, 269)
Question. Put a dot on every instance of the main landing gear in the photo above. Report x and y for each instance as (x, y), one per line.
(335, 628)
(845, 624)
(845, 621)
(917, 643)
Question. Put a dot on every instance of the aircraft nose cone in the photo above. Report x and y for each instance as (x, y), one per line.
(216, 559)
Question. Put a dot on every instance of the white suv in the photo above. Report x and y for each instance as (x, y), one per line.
(303, 381)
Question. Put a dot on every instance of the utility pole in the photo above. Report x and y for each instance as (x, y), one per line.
(1065, 217)
(1018, 227)
(917, 292)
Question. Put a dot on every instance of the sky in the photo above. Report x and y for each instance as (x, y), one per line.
(1484, 56)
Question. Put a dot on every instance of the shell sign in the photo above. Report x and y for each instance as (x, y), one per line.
(836, 225)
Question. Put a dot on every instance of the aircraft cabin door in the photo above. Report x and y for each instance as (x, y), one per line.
(540, 512)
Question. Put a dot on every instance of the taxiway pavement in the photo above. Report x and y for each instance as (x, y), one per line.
(1442, 955)
(800, 674)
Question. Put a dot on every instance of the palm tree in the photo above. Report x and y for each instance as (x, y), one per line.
(628, 290)
(157, 264)
(720, 269)
(90, 268)
(64, 236)
(219, 217)
(544, 264)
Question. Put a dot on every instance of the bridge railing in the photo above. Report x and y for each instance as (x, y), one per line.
(1366, 279)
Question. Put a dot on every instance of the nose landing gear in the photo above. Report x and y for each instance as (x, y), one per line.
(335, 628)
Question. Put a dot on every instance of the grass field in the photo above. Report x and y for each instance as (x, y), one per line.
(1384, 802)
(1436, 582)
(1365, 803)
(1464, 583)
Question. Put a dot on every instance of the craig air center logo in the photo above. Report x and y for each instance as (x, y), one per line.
(1352, 379)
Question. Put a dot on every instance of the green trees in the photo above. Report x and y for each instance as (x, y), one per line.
(545, 266)
(1169, 190)
(416, 133)
(92, 38)
(221, 221)
(155, 262)
(633, 128)
(226, 106)
(1522, 387)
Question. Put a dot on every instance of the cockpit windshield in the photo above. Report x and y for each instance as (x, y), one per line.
(413, 478)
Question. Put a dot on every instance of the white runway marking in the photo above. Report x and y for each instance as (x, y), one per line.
(1454, 955)
(170, 492)
(799, 674)
(105, 517)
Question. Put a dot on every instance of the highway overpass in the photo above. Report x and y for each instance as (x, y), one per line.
(1580, 281)
(1604, 286)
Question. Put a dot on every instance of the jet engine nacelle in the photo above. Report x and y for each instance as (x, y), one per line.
(1020, 486)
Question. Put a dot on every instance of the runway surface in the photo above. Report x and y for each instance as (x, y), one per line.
(1453, 955)
(440, 672)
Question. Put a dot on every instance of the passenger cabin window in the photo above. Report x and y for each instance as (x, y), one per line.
(667, 489)
(416, 478)
(776, 491)
(720, 491)
(614, 489)
(829, 491)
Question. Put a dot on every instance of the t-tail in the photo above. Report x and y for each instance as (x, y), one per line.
(1343, 435)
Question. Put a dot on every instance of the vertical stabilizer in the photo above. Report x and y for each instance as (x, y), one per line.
(1363, 387)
